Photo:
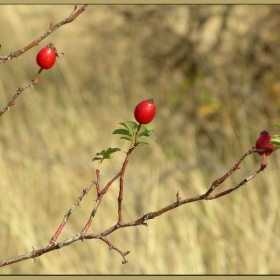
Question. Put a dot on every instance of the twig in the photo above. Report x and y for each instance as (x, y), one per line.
(179, 202)
(140, 221)
(111, 246)
(120, 197)
(52, 28)
(57, 246)
(66, 217)
(19, 91)
(103, 192)
(98, 201)
(22, 50)
(98, 182)
(220, 180)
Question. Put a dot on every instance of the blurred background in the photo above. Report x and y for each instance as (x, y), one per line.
(213, 71)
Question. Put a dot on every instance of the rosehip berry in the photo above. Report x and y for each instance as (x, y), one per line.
(263, 142)
(145, 111)
(46, 57)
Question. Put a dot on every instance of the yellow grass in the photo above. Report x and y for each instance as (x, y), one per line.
(48, 140)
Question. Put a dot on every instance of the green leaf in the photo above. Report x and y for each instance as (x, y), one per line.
(127, 138)
(121, 131)
(130, 130)
(275, 140)
(105, 154)
(147, 131)
(152, 135)
(277, 125)
(142, 140)
(149, 127)
(96, 158)
(130, 125)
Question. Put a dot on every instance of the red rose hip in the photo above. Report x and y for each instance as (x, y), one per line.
(145, 111)
(263, 142)
(46, 57)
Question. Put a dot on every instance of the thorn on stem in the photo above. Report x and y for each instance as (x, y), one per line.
(178, 197)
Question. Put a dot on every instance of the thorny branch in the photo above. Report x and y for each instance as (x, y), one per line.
(17, 53)
(18, 92)
(120, 175)
(68, 214)
(52, 28)
(53, 245)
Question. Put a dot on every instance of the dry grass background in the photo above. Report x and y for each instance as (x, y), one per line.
(214, 96)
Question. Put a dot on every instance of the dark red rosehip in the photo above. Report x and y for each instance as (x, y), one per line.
(145, 111)
(46, 57)
(263, 142)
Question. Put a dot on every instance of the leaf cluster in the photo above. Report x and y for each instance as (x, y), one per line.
(130, 132)
(131, 129)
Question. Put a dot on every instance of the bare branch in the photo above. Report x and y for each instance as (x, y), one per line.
(140, 221)
(52, 28)
(66, 217)
(17, 53)
(19, 91)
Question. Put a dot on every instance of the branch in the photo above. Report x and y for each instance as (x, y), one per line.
(19, 91)
(17, 53)
(52, 28)
(57, 246)
(66, 217)
(140, 221)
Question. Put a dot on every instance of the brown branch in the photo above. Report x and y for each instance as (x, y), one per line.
(103, 192)
(19, 91)
(52, 28)
(111, 246)
(57, 246)
(66, 217)
(140, 221)
(120, 197)
(97, 182)
(98, 201)
(36, 79)
(179, 201)
(220, 180)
